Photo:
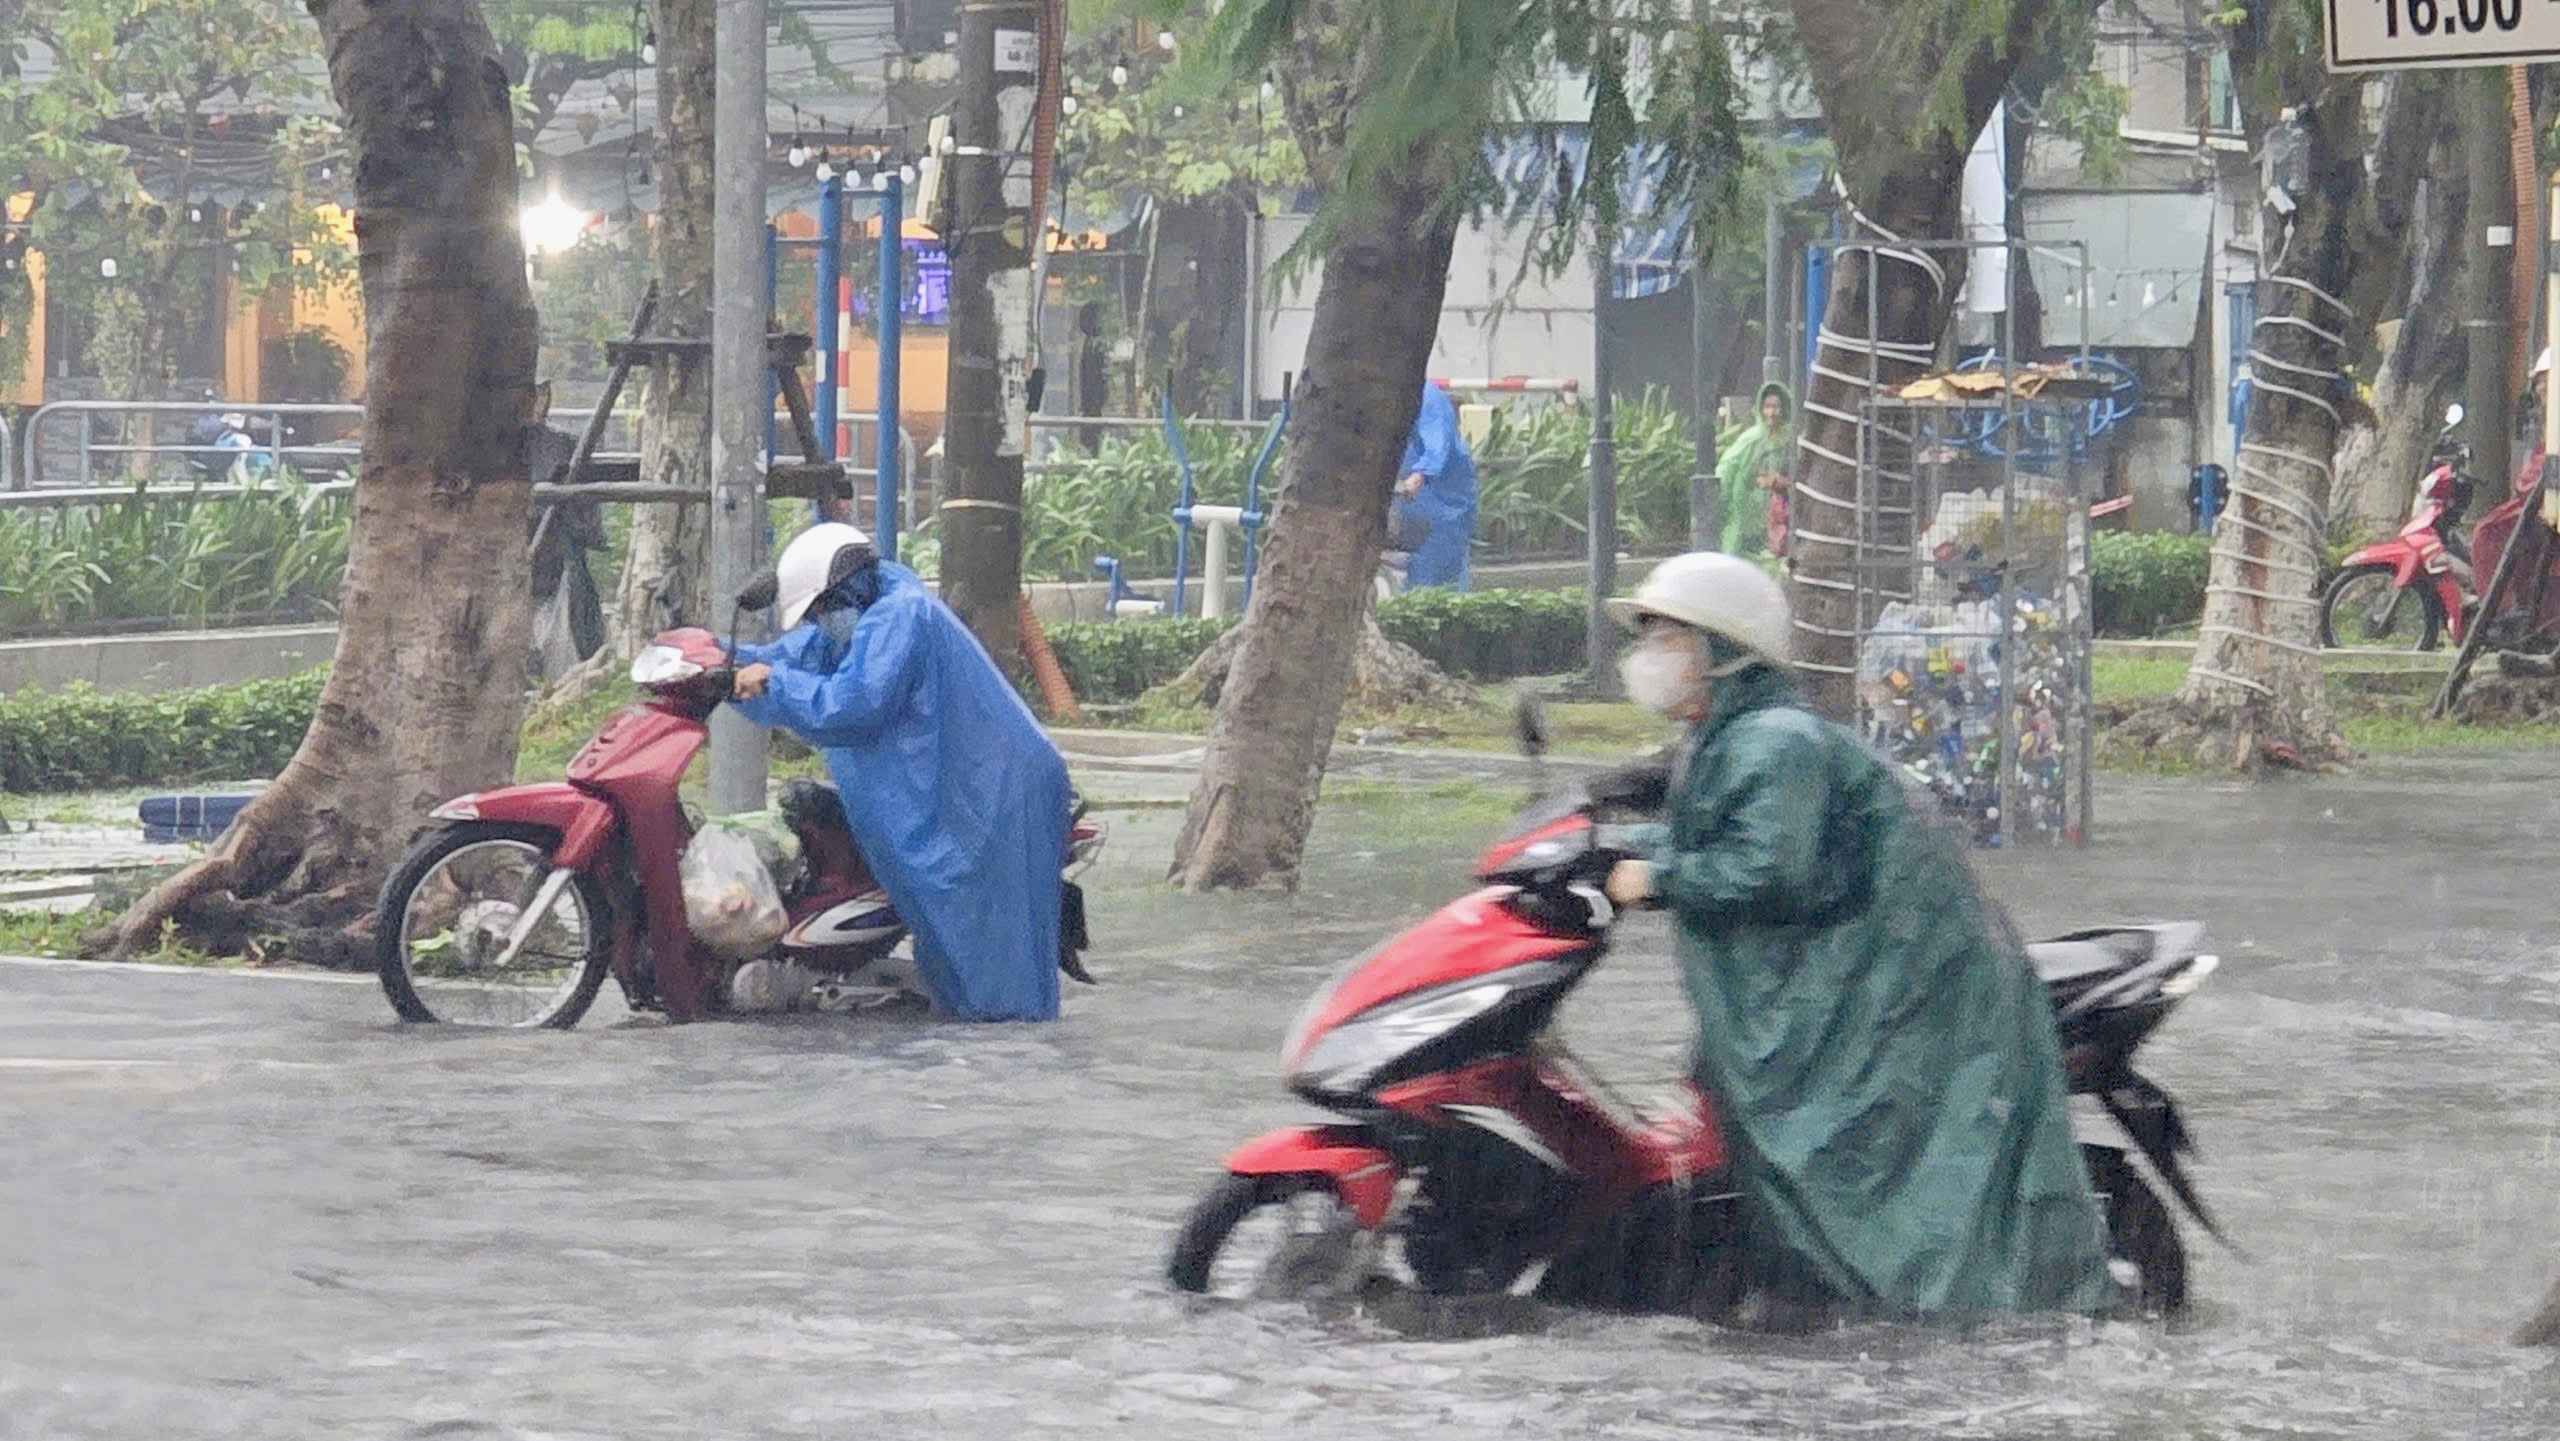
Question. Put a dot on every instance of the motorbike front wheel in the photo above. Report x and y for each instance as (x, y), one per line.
(2366, 606)
(477, 927)
(1265, 1236)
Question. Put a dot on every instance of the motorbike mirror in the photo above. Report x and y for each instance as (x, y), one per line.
(761, 592)
(2453, 415)
(1529, 724)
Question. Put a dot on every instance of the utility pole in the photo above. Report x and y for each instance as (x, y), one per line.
(2489, 390)
(740, 406)
(1602, 632)
(987, 231)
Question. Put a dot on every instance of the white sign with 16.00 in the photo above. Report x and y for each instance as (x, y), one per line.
(2403, 34)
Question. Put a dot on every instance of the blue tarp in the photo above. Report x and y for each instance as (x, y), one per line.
(955, 795)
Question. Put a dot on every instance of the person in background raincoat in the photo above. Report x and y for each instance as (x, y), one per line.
(1751, 466)
(1435, 506)
(1881, 1053)
(954, 794)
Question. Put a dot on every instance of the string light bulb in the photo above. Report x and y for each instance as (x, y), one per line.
(1119, 73)
(649, 46)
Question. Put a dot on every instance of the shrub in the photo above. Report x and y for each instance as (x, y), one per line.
(79, 738)
(2143, 584)
(1482, 635)
(1490, 634)
(282, 549)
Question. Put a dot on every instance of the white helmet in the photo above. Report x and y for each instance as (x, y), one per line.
(814, 563)
(1721, 594)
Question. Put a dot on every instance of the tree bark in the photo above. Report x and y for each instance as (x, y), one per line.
(427, 683)
(1377, 312)
(1876, 68)
(2425, 368)
(2255, 694)
(662, 580)
(661, 585)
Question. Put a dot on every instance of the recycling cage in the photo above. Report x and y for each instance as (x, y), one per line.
(1970, 564)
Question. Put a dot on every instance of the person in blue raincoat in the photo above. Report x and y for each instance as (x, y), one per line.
(1435, 509)
(954, 795)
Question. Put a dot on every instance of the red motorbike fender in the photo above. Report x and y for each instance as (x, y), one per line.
(582, 819)
(1363, 1175)
(2402, 558)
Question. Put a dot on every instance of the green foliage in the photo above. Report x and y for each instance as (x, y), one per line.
(1491, 634)
(167, 83)
(82, 739)
(1483, 635)
(587, 295)
(1157, 137)
(280, 549)
(1418, 86)
(1119, 501)
(1110, 662)
(2142, 584)
(1533, 489)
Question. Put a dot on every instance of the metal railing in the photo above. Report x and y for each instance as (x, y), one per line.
(30, 474)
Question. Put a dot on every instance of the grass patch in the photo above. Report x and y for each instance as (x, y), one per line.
(58, 933)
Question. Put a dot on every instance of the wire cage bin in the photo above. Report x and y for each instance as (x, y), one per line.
(1971, 565)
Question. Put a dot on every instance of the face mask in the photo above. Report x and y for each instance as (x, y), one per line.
(1661, 677)
(837, 625)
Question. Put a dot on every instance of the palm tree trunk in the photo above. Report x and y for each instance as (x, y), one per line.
(428, 680)
(1902, 137)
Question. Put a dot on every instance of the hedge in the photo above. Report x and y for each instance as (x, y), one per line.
(79, 738)
(2143, 584)
(1482, 635)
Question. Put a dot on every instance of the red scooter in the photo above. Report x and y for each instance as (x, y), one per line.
(513, 911)
(1476, 1157)
(2413, 588)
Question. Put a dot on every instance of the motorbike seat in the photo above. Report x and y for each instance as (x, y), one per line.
(2075, 959)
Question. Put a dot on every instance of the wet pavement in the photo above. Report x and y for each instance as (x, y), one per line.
(247, 1206)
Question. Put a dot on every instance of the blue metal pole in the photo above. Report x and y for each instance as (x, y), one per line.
(1252, 517)
(829, 325)
(888, 310)
(1181, 506)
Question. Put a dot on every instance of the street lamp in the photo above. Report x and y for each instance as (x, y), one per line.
(553, 225)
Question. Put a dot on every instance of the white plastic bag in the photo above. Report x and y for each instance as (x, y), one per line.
(730, 901)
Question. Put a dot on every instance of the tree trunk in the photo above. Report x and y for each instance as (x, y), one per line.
(427, 684)
(1876, 68)
(2425, 368)
(1377, 312)
(661, 585)
(662, 580)
(2255, 694)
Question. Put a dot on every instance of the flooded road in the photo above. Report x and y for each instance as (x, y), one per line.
(249, 1207)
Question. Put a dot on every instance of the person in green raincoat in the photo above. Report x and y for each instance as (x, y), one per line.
(1751, 465)
(1881, 1053)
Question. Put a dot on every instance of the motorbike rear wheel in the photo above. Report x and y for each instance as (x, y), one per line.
(2141, 1234)
(2365, 606)
(1311, 1252)
(449, 911)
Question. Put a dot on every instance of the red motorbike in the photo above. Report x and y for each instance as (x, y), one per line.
(2412, 589)
(1476, 1157)
(514, 910)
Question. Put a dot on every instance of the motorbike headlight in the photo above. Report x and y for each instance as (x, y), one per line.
(662, 665)
(2193, 976)
(1343, 1059)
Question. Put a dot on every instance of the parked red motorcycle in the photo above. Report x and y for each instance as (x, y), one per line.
(2412, 589)
(1476, 1157)
(513, 911)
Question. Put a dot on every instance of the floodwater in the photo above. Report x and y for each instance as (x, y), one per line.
(248, 1207)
